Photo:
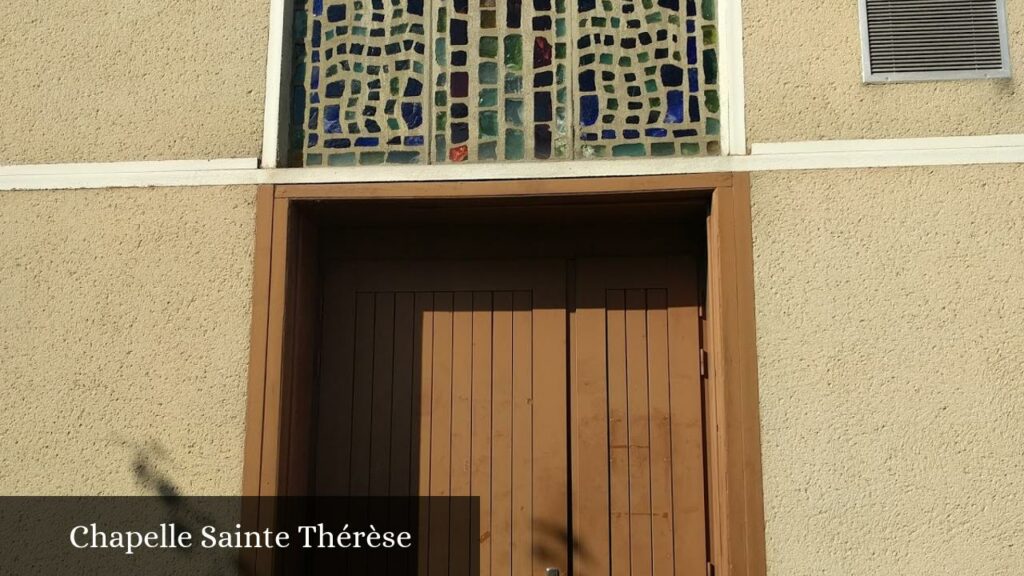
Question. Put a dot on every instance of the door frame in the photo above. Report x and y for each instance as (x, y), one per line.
(284, 285)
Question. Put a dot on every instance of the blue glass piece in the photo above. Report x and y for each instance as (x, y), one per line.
(587, 5)
(459, 32)
(335, 89)
(542, 106)
(694, 106)
(414, 140)
(332, 124)
(670, 4)
(671, 75)
(630, 134)
(314, 78)
(337, 143)
(608, 134)
(691, 50)
(314, 118)
(413, 87)
(415, 7)
(588, 81)
(694, 79)
(674, 107)
(336, 13)
(460, 132)
(656, 132)
(316, 56)
(367, 142)
(589, 110)
(372, 126)
(685, 133)
(312, 140)
(412, 113)
(394, 140)
(316, 33)
(691, 26)
(314, 98)
(588, 136)
(691, 7)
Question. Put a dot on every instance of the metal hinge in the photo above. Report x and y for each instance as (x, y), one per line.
(703, 363)
(711, 569)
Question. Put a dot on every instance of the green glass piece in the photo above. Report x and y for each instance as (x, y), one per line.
(643, 57)
(372, 158)
(358, 67)
(489, 97)
(299, 26)
(515, 145)
(514, 112)
(513, 84)
(663, 149)
(347, 159)
(358, 31)
(403, 157)
(441, 121)
(440, 148)
(616, 22)
(625, 61)
(587, 60)
(393, 124)
(707, 9)
(651, 86)
(417, 67)
(332, 70)
(594, 151)
(314, 159)
(710, 67)
(653, 17)
(598, 21)
(329, 35)
(714, 127)
(488, 72)
(350, 114)
(513, 52)
(395, 84)
(560, 50)
(711, 100)
(560, 28)
(606, 59)
(489, 47)
(560, 6)
(562, 95)
(673, 19)
(690, 148)
(440, 98)
(489, 123)
(631, 150)
(710, 35)
(399, 29)
(488, 151)
(442, 20)
(440, 52)
(612, 104)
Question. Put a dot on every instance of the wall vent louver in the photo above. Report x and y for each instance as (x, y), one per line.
(912, 40)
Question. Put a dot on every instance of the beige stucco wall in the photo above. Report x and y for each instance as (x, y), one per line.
(108, 80)
(803, 81)
(890, 324)
(124, 338)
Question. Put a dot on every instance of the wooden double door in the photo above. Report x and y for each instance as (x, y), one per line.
(565, 393)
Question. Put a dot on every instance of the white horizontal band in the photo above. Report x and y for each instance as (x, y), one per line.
(937, 143)
(130, 167)
(223, 172)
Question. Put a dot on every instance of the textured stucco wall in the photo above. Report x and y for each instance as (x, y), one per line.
(890, 320)
(108, 80)
(124, 338)
(803, 81)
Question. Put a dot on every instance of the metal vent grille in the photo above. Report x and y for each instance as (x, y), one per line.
(933, 39)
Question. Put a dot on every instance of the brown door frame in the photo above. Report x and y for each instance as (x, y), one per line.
(280, 319)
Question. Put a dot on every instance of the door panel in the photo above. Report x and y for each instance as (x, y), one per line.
(449, 378)
(638, 494)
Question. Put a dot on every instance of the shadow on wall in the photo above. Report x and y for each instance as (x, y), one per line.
(190, 514)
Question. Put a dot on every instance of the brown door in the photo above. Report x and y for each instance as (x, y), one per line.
(449, 378)
(638, 470)
(452, 377)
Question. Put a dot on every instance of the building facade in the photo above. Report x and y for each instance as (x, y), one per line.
(886, 226)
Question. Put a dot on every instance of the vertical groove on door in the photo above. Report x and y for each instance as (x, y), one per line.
(618, 435)
(522, 434)
(501, 481)
(461, 439)
(403, 418)
(423, 379)
(639, 434)
(381, 394)
(481, 431)
(661, 433)
(441, 434)
(362, 399)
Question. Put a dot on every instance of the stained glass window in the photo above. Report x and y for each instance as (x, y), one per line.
(439, 81)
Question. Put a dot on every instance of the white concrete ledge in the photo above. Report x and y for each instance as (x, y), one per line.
(801, 156)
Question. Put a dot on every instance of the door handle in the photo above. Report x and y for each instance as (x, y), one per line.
(552, 572)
